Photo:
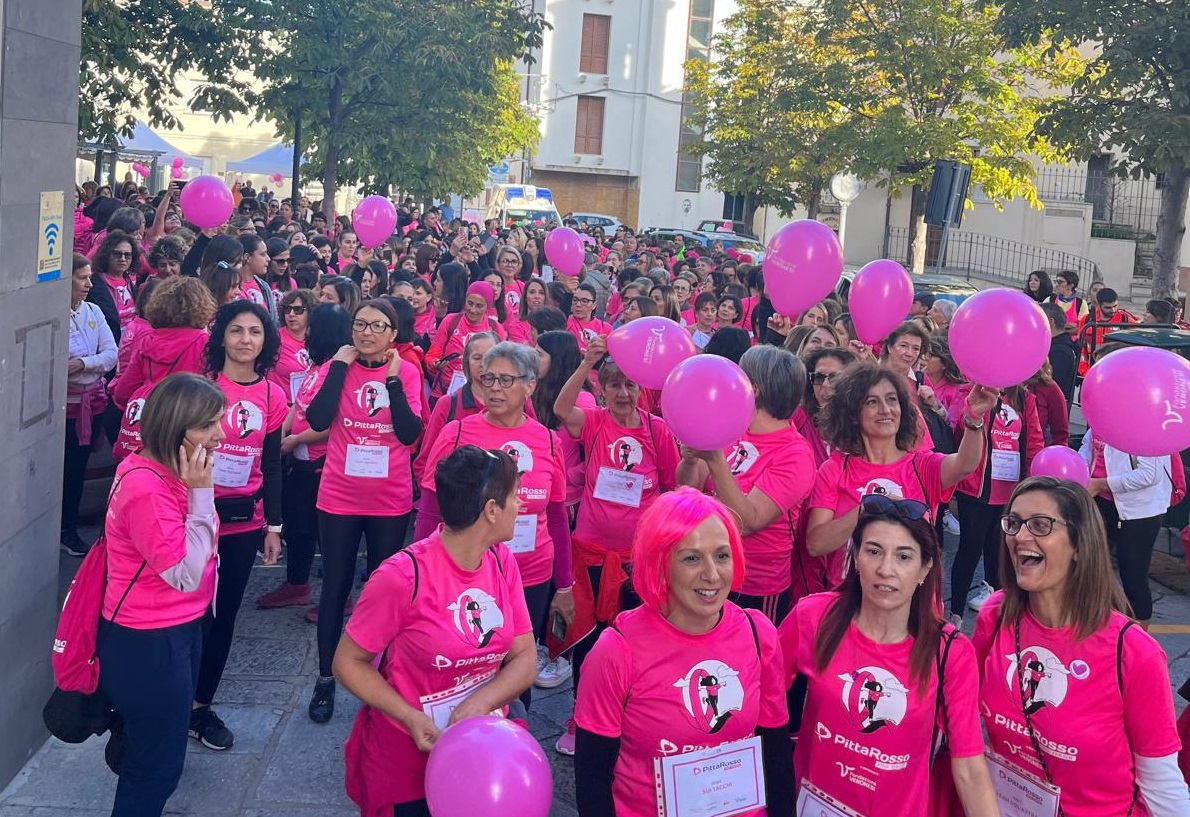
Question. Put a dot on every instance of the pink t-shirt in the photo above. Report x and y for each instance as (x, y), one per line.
(307, 452)
(251, 290)
(586, 331)
(780, 465)
(953, 397)
(1088, 728)
(135, 328)
(649, 451)
(146, 522)
(867, 725)
(253, 412)
(513, 291)
(442, 630)
(572, 452)
(122, 296)
(539, 458)
(1099, 464)
(426, 322)
(844, 479)
(519, 331)
(358, 478)
(663, 691)
(291, 366)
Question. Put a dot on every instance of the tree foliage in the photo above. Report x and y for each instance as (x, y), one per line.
(1133, 101)
(138, 54)
(419, 94)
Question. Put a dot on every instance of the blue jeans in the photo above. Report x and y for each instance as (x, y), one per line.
(150, 676)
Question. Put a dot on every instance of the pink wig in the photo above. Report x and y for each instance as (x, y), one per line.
(669, 520)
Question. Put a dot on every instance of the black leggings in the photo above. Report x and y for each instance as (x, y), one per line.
(537, 599)
(237, 555)
(414, 808)
(74, 472)
(774, 607)
(979, 537)
(299, 494)
(339, 537)
(1133, 540)
(580, 651)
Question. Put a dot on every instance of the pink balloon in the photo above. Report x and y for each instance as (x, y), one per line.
(1062, 462)
(374, 220)
(708, 401)
(648, 349)
(1136, 401)
(177, 162)
(999, 337)
(564, 251)
(206, 202)
(276, 178)
(880, 298)
(802, 265)
(177, 173)
(488, 767)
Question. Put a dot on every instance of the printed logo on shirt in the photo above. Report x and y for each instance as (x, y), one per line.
(1008, 414)
(742, 457)
(512, 299)
(625, 453)
(874, 698)
(589, 335)
(521, 455)
(244, 418)
(303, 357)
(371, 397)
(1046, 677)
(476, 617)
(711, 691)
(882, 487)
(133, 412)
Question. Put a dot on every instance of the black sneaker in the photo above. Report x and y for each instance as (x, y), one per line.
(73, 544)
(207, 728)
(322, 702)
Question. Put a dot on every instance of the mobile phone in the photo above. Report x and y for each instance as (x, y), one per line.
(558, 627)
(189, 447)
(451, 357)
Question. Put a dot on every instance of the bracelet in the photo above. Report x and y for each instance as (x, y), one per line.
(273, 528)
(971, 425)
(564, 589)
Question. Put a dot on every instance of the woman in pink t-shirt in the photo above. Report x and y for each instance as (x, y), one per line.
(873, 427)
(448, 616)
(425, 320)
(161, 531)
(686, 672)
(370, 401)
(294, 360)
(247, 474)
(518, 326)
(882, 676)
(1073, 693)
(117, 255)
(764, 478)
(582, 322)
(444, 359)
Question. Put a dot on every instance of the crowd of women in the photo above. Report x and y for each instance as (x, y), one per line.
(275, 388)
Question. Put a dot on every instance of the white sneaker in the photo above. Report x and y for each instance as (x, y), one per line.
(543, 658)
(555, 673)
(950, 523)
(981, 595)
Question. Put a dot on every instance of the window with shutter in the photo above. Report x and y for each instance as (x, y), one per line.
(588, 126)
(595, 42)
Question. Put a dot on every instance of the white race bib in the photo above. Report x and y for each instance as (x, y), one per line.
(716, 782)
(524, 535)
(456, 382)
(619, 487)
(1006, 466)
(813, 801)
(439, 706)
(231, 470)
(295, 384)
(1021, 794)
(369, 461)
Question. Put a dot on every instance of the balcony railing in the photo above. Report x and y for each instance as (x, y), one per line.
(974, 255)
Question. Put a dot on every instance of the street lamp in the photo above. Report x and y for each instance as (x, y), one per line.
(845, 187)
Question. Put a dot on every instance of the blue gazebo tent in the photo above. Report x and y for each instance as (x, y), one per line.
(277, 159)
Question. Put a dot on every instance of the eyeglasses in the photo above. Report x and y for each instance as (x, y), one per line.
(582, 301)
(510, 260)
(1039, 525)
(904, 508)
(118, 254)
(506, 381)
(297, 310)
(818, 378)
(375, 326)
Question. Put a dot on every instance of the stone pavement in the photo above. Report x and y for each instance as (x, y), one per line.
(285, 766)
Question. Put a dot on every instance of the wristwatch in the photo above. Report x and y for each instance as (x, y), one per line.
(274, 528)
(971, 425)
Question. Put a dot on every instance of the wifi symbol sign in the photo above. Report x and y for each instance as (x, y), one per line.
(51, 236)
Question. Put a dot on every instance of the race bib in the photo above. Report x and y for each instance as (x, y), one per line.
(295, 384)
(1006, 466)
(368, 461)
(813, 801)
(524, 535)
(716, 782)
(619, 487)
(1021, 794)
(456, 382)
(231, 470)
(439, 706)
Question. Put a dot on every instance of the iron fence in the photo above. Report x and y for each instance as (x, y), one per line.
(1120, 207)
(985, 256)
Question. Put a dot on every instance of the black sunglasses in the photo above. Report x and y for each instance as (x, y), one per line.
(878, 504)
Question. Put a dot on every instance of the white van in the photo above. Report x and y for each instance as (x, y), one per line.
(523, 205)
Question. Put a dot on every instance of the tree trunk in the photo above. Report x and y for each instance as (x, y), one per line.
(330, 177)
(916, 262)
(815, 202)
(1171, 226)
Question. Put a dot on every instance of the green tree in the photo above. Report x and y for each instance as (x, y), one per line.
(421, 94)
(1133, 102)
(140, 56)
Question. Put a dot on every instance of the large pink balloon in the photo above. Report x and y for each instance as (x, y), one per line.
(1136, 400)
(708, 402)
(1060, 461)
(802, 265)
(564, 250)
(374, 220)
(488, 767)
(206, 201)
(880, 298)
(999, 337)
(648, 349)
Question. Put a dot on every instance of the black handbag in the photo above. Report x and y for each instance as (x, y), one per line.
(236, 508)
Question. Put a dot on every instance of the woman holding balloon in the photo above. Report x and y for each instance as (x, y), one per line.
(455, 595)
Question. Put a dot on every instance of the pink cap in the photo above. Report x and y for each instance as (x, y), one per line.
(484, 290)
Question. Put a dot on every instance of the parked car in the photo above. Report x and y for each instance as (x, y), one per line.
(946, 287)
(693, 238)
(726, 225)
(609, 223)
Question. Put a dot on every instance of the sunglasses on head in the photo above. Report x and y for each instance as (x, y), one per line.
(878, 504)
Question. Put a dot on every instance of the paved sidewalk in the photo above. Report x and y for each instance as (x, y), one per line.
(285, 766)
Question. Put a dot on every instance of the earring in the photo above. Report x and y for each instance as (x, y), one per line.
(920, 583)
